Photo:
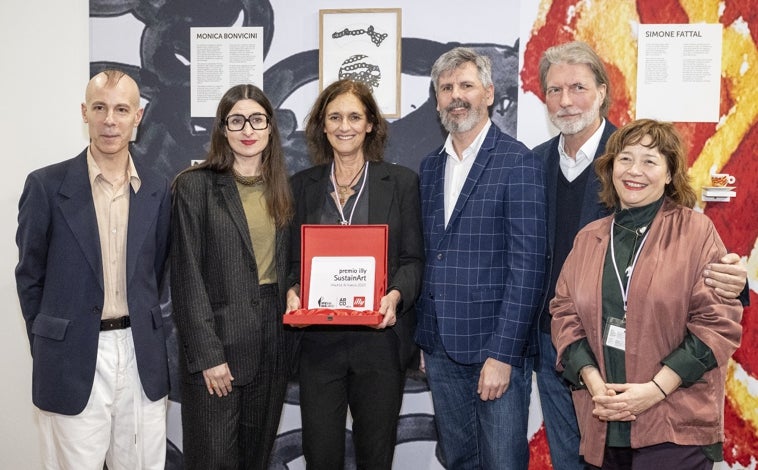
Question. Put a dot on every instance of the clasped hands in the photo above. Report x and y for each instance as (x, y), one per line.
(624, 402)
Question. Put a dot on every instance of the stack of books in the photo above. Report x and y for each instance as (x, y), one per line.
(718, 193)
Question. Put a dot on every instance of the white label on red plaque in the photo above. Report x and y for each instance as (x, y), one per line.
(342, 282)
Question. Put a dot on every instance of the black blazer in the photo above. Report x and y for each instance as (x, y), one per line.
(214, 281)
(592, 209)
(393, 199)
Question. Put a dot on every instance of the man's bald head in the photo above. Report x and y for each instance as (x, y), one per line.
(111, 111)
(112, 78)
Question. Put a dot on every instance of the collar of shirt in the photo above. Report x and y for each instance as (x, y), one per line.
(94, 172)
(457, 170)
(472, 149)
(571, 167)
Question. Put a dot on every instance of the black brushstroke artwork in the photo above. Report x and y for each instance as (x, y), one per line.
(169, 138)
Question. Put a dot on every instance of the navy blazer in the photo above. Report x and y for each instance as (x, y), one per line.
(484, 270)
(60, 281)
(592, 209)
(393, 199)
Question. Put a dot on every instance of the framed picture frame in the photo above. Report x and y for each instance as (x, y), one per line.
(363, 45)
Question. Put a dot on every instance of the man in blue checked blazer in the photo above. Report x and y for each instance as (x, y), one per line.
(483, 209)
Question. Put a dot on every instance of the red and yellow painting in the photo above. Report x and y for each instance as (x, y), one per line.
(729, 146)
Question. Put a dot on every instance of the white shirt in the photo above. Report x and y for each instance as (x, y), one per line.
(571, 167)
(458, 167)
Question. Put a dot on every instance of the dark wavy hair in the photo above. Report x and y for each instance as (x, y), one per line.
(666, 139)
(318, 144)
(220, 157)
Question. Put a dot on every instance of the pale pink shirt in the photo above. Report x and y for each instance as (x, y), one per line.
(112, 212)
(571, 167)
(458, 167)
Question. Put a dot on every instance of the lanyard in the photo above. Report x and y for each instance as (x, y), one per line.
(355, 203)
(625, 290)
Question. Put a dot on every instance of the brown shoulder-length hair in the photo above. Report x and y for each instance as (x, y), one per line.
(373, 146)
(273, 167)
(663, 137)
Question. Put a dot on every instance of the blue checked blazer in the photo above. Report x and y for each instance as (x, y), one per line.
(483, 275)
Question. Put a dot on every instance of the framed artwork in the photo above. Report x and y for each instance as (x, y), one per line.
(363, 45)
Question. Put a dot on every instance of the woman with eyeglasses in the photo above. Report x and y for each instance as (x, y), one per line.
(229, 262)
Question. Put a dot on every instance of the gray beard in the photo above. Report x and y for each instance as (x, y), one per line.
(575, 127)
(465, 125)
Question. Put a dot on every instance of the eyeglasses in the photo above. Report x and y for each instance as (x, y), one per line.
(236, 122)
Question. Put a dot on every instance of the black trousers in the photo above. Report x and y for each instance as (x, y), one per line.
(666, 455)
(237, 431)
(357, 368)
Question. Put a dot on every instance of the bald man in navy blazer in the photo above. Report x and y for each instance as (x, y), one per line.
(92, 239)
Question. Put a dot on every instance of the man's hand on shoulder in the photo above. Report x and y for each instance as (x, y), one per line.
(728, 277)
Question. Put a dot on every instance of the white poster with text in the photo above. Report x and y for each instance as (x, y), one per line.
(221, 58)
(679, 72)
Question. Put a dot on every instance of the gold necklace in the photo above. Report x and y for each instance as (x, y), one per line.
(247, 180)
(342, 189)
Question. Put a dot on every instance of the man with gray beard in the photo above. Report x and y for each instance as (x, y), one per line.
(577, 96)
(483, 214)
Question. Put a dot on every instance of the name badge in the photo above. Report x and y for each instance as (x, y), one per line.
(614, 334)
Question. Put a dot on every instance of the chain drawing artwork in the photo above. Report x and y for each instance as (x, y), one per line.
(376, 38)
(355, 67)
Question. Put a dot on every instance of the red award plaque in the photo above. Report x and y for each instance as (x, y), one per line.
(343, 275)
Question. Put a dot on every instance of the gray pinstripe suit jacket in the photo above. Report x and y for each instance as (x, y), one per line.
(214, 282)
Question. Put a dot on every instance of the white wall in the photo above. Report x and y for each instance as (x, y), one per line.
(44, 62)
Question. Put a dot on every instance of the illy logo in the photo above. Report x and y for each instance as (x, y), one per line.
(359, 301)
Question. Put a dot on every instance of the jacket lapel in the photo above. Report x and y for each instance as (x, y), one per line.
(143, 208)
(438, 197)
(78, 211)
(314, 196)
(228, 189)
(552, 167)
(592, 208)
(380, 194)
(482, 159)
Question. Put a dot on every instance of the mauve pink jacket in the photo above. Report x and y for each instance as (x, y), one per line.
(667, 297)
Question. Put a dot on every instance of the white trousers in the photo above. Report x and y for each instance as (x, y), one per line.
(119, 426)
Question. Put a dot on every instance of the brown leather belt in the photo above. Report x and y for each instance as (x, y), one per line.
(115, 323)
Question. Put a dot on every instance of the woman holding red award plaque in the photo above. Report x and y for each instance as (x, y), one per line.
(359, 367)
(229, 269)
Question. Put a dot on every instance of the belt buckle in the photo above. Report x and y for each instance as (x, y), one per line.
(115, 323)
